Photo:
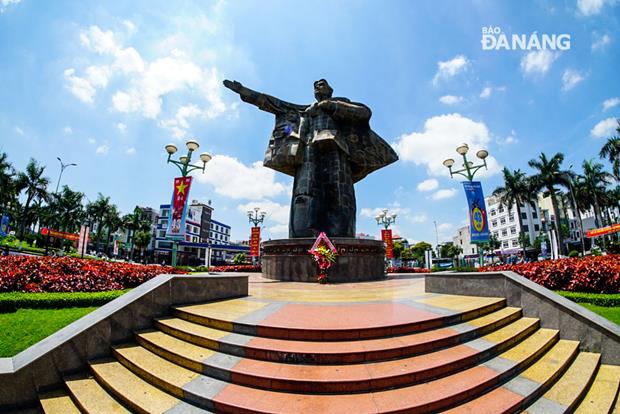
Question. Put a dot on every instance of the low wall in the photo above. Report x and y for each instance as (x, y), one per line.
(43, 365)
(595, 333)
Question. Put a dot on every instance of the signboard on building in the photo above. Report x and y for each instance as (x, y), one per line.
(603, 230)
(478, 221)
(386, 236)
(178, 207)
(255, 242)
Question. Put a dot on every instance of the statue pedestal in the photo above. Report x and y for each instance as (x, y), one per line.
(358, 260)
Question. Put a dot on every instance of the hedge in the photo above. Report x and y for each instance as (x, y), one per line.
(11, 301)
(608, 300)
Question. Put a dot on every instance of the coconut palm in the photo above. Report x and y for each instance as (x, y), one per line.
(594, 184)
(34, 184)
(611, 151)
(516, 190)
(7, 183)
(67, 206)
(548, 176)
(111, 221)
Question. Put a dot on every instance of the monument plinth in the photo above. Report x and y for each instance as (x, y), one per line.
(357, 260)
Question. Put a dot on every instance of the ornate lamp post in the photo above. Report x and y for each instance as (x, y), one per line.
(184, 165)
(62, 169)
(468, 171)
(255, 217)
(384, 219)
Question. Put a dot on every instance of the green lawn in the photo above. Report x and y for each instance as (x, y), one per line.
(19, 330)
(613, 314)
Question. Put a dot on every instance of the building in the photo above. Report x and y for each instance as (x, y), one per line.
(462, 239)
(504, 223)
(153, 216)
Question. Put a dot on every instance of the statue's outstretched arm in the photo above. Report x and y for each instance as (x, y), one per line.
(263, 101)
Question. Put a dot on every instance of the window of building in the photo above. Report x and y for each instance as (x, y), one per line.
(500, 209)
(502, 220)
(524, 215)
(505, 243)
(534, 215)
(513, 230)
(536, 227)
(511, 217)
(504, 232)
(526, 228)
(494, 223)
(515, 243)
(493, 212)
(495, 234)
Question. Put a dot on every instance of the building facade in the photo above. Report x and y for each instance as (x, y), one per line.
(504, 223)
(462, 239)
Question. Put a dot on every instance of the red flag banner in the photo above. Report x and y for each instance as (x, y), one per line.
(386, 236)
(255, 242)
(178, 207)
(60, 234)
(603, 230)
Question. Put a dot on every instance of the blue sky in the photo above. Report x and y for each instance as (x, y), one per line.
(107, 85)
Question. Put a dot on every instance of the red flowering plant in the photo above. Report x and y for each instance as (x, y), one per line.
(324, 253)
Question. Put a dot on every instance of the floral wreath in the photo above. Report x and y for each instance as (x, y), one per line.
(324, 253)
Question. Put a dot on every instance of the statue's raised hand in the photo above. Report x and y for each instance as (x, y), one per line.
(233, 85)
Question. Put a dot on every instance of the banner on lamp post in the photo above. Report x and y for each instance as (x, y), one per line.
(478, 222)
(386, 236)
(178, 208)
(255, 242)
(83, 240)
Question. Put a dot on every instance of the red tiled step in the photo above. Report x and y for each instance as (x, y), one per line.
(336, 352)
(338, 378)
(430, 396)
(310, 322)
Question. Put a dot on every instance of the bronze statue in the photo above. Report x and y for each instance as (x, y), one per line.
(327, 146)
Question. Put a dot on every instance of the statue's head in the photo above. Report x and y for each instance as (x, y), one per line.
(322, 90)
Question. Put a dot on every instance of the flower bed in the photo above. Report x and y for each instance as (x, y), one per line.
(407, 269)
(236, 268)
(68, 274)
(598, 274)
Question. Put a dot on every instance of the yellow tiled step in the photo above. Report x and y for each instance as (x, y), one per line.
(570, 387)
(57, 402)
(92, 398)
(602, 393)
(136, 393)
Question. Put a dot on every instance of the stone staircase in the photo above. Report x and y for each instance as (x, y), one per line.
(474, 356)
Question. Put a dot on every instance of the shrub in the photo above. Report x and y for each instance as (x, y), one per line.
(599, 299)
(596, 274)
(239, 268)
(573, 253)
(406, 269)
(11, 301)
(69, 274)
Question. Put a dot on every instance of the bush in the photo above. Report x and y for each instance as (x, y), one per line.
(465, 269)
(406, 269)
(596, 274)
(11, 301)
(69, 274)
(573, 253)
(233, 268)
(599, 299)
(239, 259)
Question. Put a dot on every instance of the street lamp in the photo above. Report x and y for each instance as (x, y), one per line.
(255, 217)
(62, 169)
(469, 169)
(183, 164)
(384, 219)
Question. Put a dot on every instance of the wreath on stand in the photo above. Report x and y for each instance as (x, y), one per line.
(324, 254)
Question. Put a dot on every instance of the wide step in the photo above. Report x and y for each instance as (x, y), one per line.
(58, 402)
(92, 398)
(603, 392)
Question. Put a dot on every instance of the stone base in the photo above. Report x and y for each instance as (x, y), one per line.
(358, 260)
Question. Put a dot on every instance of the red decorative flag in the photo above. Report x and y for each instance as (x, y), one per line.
(603, 230)
(178, 207)
(255, 242)
(386, 236)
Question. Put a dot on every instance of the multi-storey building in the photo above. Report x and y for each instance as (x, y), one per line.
(504, 223)
(463, 240)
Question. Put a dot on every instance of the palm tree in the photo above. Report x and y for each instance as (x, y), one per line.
(142, 239)
(7, 183)
(96, 211)
(136, 222)
(516, 190)
(548, 176)
(111, 221)
(67, 205)
(35, 185)
(594, 184)
(611, 151)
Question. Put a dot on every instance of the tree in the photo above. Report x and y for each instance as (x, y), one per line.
(515, 191)
(449, 249)
(550, 175)
(142, 239)
(34, 184)
(594, 185)
(611, 151)
(398, 249)
(239, 259)
(66, 211)
(111, 222)
(419, 249)
(7, 183)
(96, 211)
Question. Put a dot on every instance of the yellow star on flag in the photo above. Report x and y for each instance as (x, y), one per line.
(181, 187)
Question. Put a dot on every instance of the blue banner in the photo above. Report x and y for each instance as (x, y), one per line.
(4, 225)
(478, 222)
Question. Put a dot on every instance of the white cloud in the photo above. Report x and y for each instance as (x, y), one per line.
(5, 3)
(443, 194)
(441, 135)
(589, 7)
(510, 139)
(130, 26)
(19, 130)
(121, 127)
(130, 151)
(538, 62)
(79, 87)
(91, 141)
(610, 103)
(445, 227)
(102, 149)
(428, 185)
(486, 92)
(604, 129)
(233, 179)
(403, 213)
(571, 78)
(418, 218)
(276, 220)
(450, 99)
(67, 130)
(98, 76)
(599, 42)
(449, 68)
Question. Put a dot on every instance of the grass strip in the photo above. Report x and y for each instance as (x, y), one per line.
(12, 301)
